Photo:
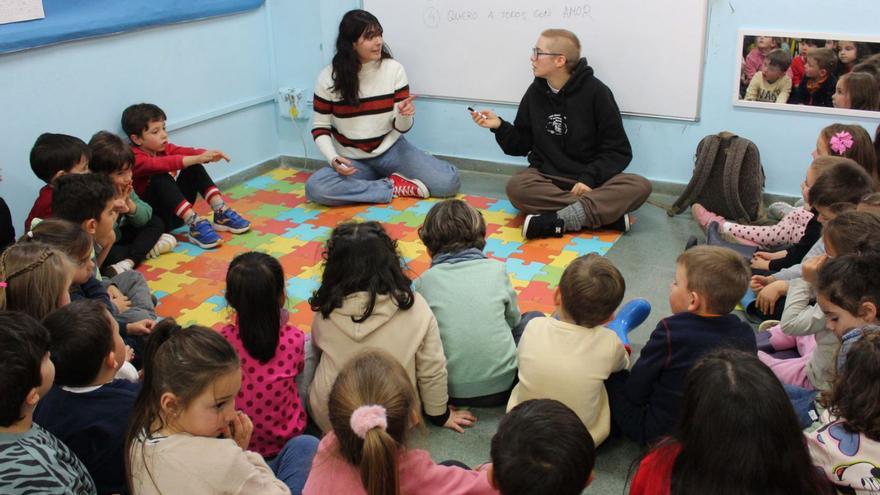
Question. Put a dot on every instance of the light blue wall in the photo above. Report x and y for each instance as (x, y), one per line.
(197, 71)
(192, 70)
(664, 149)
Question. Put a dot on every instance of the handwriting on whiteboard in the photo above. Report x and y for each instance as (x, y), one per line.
(434, 17)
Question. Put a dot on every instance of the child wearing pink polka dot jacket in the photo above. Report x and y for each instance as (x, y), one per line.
(271, 351)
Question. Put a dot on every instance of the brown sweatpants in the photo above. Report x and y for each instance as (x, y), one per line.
(533, 192)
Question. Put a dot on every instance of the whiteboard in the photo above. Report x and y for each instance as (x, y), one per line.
(649, 52)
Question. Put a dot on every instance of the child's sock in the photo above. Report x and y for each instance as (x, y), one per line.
(213, 197)
(190, 217)
(574, 217)
(185, 212)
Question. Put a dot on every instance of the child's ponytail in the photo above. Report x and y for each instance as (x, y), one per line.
(371, 405)
(255, 290)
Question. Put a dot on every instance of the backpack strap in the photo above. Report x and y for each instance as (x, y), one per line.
(736, 153)
(707, 150)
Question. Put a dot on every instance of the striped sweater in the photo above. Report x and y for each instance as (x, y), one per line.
(368, 129)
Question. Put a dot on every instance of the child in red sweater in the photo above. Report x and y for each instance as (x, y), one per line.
(170, 177)
(52, 156)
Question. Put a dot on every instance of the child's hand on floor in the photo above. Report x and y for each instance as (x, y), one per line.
(141, 327)
(459, 419)
(810, 268)
(769, 296)
(758, 282)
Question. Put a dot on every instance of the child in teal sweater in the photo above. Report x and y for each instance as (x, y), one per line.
(474, 303)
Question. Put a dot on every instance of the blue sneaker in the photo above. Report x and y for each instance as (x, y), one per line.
(230, 221)
(629, 316)
(203, 235)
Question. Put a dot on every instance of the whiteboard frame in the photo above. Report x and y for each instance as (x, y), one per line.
(848, 112)
(699, 95)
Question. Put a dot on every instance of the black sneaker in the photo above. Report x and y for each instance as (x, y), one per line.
(622, 224)
(543, 225)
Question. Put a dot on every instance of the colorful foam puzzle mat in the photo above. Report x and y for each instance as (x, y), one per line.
(189, 281)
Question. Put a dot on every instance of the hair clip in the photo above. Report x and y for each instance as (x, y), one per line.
(3, 285)
(841, 142)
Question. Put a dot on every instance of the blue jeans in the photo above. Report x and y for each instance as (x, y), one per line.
(371, 184)
(803, 401)
(294, 462)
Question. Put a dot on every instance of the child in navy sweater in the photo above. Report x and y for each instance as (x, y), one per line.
(87, 408)
(709, 281)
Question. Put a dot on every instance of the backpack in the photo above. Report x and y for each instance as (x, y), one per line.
(728, 179)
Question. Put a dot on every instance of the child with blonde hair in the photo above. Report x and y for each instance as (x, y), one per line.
(372, 406)
(35, 279)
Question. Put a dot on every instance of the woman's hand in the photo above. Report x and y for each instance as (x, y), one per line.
(343, 166)
(486, 118)
(459, 419)
(406, 107)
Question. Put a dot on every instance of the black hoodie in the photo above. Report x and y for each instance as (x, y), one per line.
(576, 133)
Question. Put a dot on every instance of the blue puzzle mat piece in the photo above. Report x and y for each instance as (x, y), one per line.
(523, 271)
(219, 303)
(300, 289)
(307, 232)
(503, 205)
(422, 207)
(582, 245)
(261, 182)
(298, 215)
(500, 249)
(379, 214)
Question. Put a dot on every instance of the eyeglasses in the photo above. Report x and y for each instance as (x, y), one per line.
(536, 52)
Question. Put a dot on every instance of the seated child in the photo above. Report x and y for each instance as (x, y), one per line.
(139, 233)
(170, 177)
(737, 434)
(88, 409)
(186, 436)
(541, 446)
(847, 445)
(817, 86)
(798, 62)
(373, 405)
(709, 282)
(567, 359)
(35, 279)
(803, 324)
(272, 351)
(52, 156)
(754, 60)
(33, 460)
(771, 84)
(366, 300)
(88, 200)
(858, 91)
(474, 303)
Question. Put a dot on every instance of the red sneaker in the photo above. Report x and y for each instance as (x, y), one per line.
(408, 188)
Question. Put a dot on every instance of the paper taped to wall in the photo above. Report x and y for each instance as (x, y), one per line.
(20, 10)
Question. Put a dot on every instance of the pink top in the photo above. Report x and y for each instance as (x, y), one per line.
(268, 391)
(753, 62)
(331, 474)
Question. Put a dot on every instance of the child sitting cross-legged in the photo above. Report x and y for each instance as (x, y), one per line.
(474, 303)
(709, 282)
(567, 359)
(33, 460)
(140, 234)
(372, 407)
(88, 409)
(170, 178)
(542, 446)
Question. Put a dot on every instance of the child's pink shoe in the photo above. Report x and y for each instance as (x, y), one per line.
(704, 217)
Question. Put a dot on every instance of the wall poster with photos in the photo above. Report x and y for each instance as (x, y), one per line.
(837, 74)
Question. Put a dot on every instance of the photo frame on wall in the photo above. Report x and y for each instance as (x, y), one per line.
(774, 70)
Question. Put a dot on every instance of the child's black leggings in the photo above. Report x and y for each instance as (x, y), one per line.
(169, 196)
(136, 242)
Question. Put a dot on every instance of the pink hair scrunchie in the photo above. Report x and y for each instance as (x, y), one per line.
(365, 418)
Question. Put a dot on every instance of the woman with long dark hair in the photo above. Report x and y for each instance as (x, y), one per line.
(362, 109)
(737, 435)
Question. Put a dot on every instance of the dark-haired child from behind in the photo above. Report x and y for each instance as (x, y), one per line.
(171, 177)
(709, 282)
(31, 456)
(88, 409)
(52, 156)
(139, 233)
(567, 359)
(819, 82)
(541, 446)
(474, 303)
(271, 350)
